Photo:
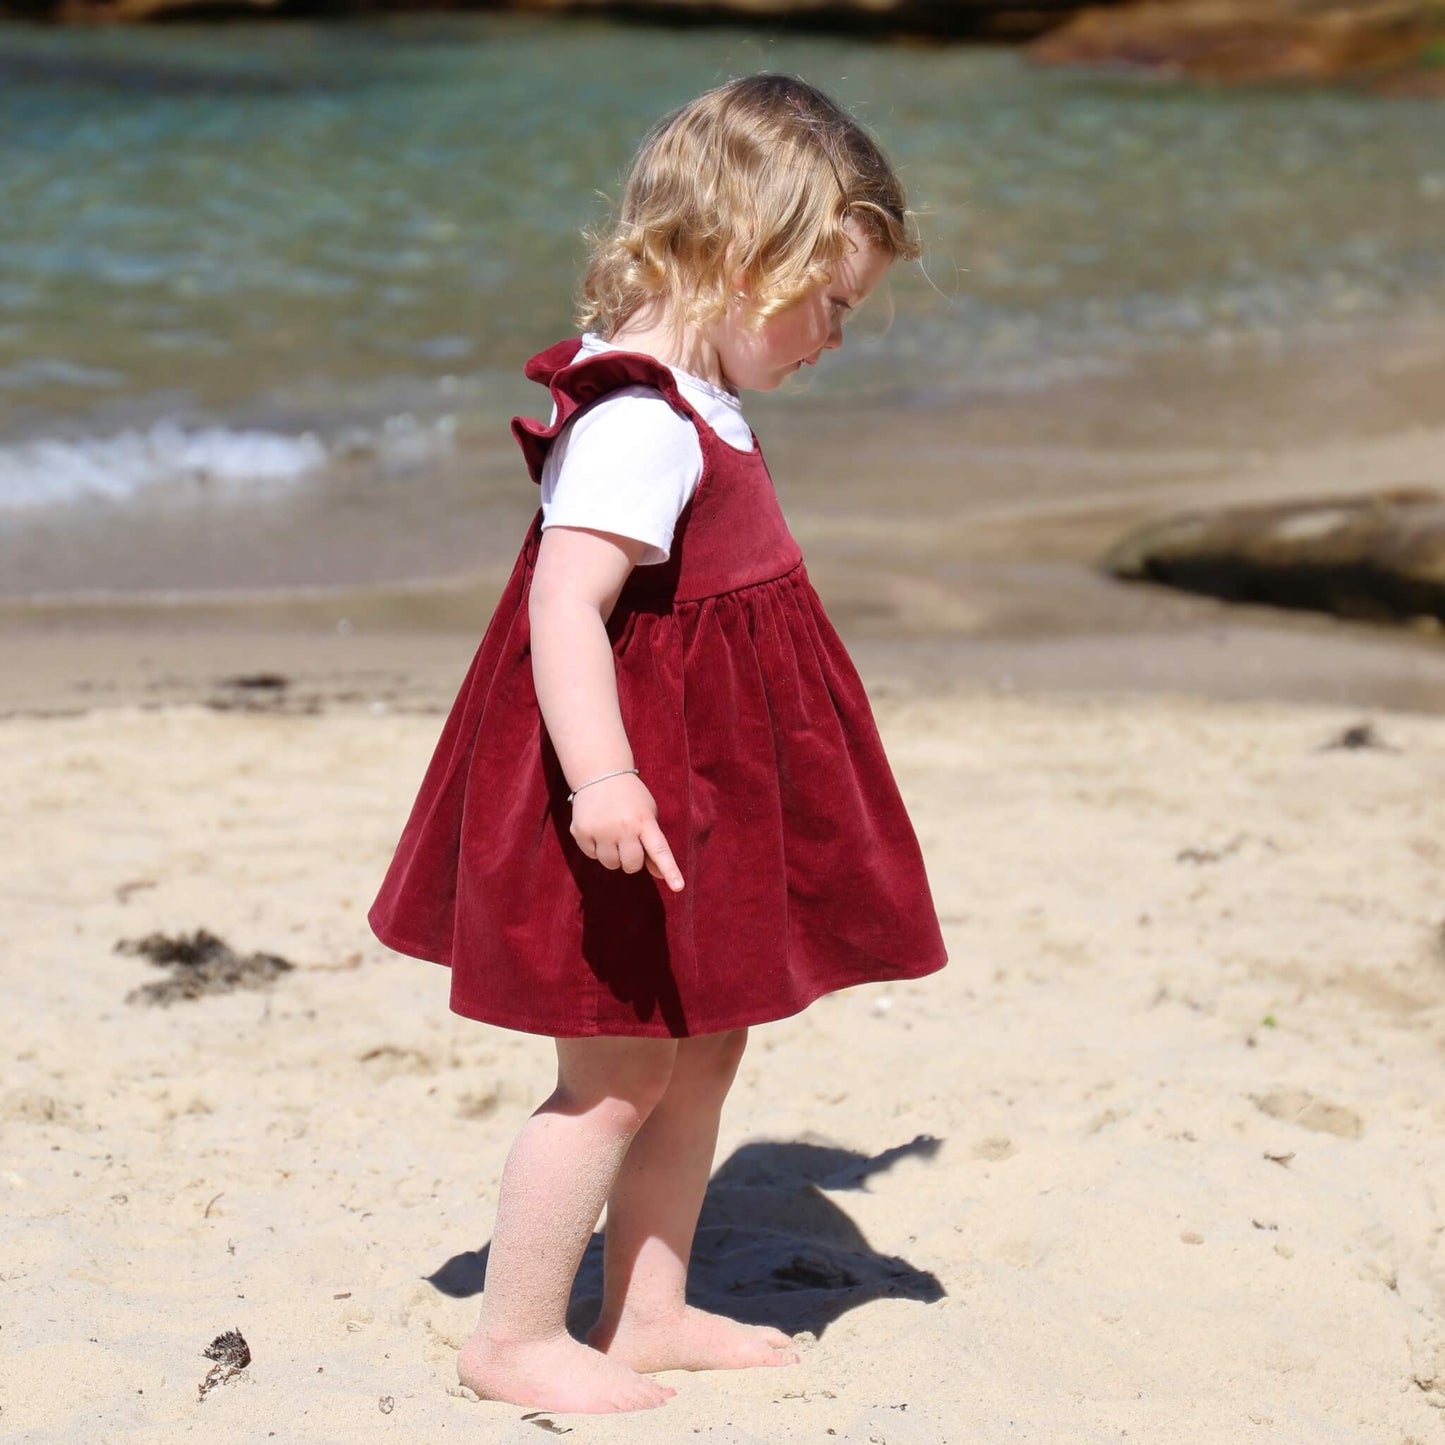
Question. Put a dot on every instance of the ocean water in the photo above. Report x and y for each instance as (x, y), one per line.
(292, 269)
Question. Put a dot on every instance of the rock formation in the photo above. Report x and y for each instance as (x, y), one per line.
(1380, 557)
(1395, 42)
(1396, 45)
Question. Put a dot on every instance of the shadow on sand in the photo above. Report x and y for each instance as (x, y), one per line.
(772, 1248)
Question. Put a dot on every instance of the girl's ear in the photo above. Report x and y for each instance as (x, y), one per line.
(740, 298)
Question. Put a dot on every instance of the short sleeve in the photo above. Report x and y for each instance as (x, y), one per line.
(627, 465)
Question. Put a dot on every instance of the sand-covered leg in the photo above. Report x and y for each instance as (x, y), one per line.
(556, 1179)
(651, 1219)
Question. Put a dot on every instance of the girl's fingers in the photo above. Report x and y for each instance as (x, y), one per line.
(647, 849)
(661, 863)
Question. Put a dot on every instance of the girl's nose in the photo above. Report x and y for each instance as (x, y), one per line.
(835, 338)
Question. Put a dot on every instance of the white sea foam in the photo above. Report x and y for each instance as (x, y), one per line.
(49, 472)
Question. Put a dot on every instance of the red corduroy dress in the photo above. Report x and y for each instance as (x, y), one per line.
(751, 728)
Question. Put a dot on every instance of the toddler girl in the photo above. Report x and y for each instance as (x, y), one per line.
(660, 811)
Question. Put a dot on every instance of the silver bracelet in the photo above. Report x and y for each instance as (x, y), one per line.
(621, 772)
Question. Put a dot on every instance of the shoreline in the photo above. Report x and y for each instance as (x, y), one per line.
(983, 578)
(1198, 649)
(1160, 424)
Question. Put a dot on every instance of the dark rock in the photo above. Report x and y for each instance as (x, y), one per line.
(992, 20)
(1379, 557)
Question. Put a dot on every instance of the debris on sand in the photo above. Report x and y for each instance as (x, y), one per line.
(231, 1353)
(264, 692)
(545, 1422)
(1359, 735)
(1211, 855)
(199, 964)
(258, 682)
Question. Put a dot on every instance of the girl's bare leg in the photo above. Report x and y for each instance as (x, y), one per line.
(556, 1179)
(651, 1219)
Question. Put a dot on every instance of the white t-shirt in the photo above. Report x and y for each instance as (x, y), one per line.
(630, 464)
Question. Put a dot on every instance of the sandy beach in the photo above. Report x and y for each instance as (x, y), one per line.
(1157, 1156)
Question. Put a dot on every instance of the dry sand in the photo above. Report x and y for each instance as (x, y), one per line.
(1160, 1156)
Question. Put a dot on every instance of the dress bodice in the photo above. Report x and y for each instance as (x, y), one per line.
(739, 537)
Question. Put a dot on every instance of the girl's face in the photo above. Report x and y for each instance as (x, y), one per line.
(761, 358)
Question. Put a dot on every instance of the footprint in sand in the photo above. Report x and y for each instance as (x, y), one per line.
(1427, 1354)
(389, 1061)
(995, 1147)
(1298, 1106)
(26, 1106)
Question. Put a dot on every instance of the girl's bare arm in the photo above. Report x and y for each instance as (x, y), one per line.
(575, 584)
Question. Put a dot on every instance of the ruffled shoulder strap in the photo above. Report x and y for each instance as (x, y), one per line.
(575, 383)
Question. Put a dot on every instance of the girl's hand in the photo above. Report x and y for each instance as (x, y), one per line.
(615, 822)
(577, 580)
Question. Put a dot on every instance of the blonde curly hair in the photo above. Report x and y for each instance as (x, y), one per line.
(756, 178)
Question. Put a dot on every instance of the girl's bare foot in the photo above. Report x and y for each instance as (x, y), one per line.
(692, 1339)
(555, 1374)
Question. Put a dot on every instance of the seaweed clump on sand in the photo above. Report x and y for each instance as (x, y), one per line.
(231, 1353)
(199, 964)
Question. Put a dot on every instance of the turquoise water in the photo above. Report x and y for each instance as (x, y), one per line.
(253, 256)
